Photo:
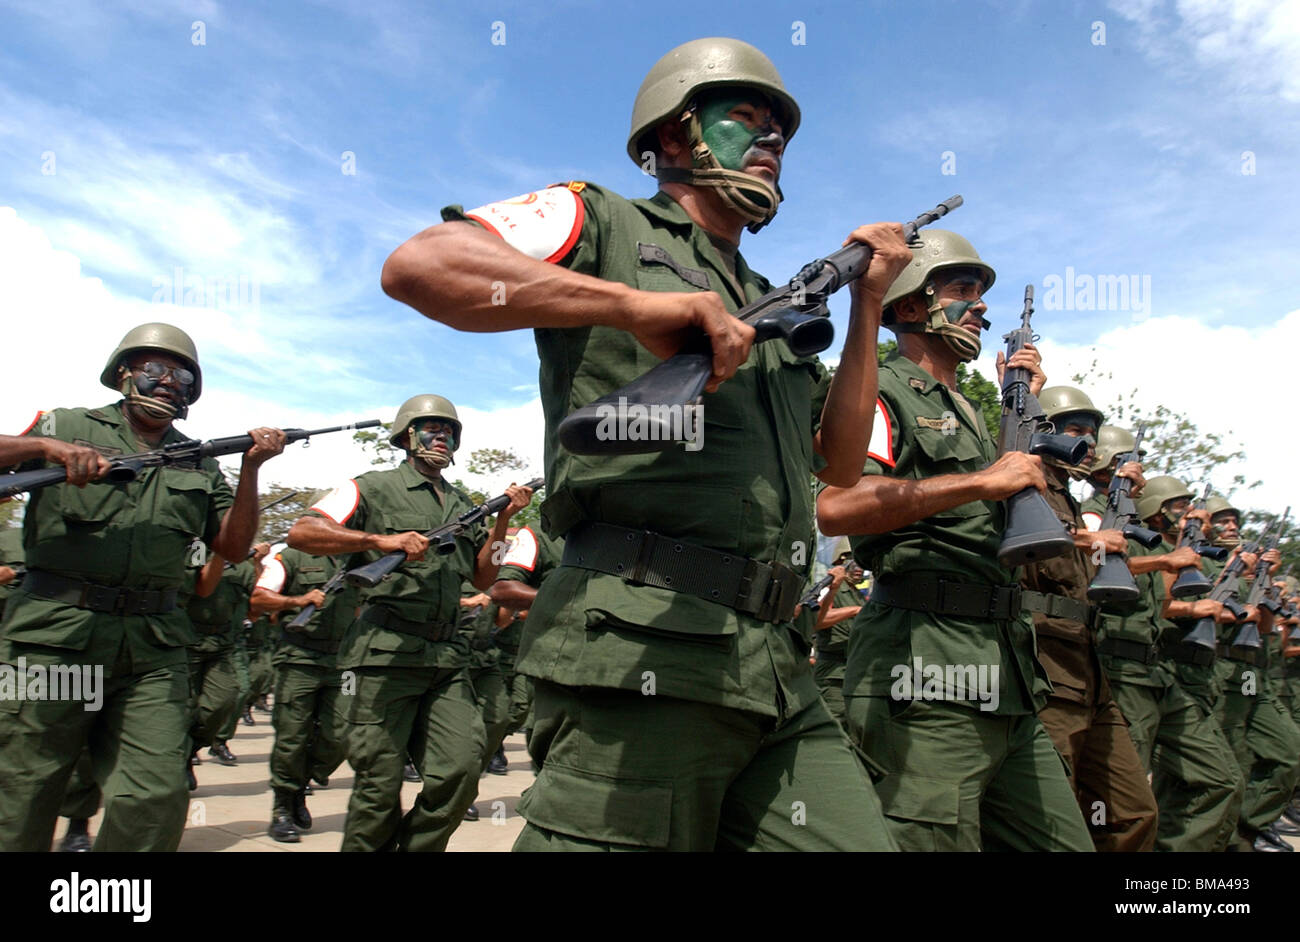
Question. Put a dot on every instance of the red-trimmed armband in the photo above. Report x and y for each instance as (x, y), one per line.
(1091, 520)
(544, 224)
(523, 550)
(273, 576)
(881, 446)
(31, 425)
(340, 503)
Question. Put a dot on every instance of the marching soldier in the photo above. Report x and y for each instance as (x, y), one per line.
(969, 764)
(703, 672)
(105, 563)
(480, 618)
(309, 731)
(841, 602)
(1086, 726)
(409, 687)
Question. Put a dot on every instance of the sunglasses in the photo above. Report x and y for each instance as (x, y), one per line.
(157, 372)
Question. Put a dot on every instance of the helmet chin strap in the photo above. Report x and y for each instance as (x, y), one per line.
(136, 390)
(942, 320)
(435, 458)
(752, 199)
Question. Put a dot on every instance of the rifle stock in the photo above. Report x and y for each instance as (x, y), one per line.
(796, 313)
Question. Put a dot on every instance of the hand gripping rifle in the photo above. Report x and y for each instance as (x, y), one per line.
(1191, 582)
(443, 539)
(811, 600)
(1225, 590)
(126, 468)
(1033, 531)
(797, 313)
(1114, 582)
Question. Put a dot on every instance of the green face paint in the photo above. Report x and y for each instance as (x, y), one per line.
(729, 140)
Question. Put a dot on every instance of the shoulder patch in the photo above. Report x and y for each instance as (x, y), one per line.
(543, 224)
(32, 425)
(1091, 520)
(523, 550)
(881, 446)
(340, 503)
(273, 576)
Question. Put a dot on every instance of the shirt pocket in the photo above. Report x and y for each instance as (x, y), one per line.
(183, 499)
(952, 453)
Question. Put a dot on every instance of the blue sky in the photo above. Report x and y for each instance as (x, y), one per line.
(225, 160)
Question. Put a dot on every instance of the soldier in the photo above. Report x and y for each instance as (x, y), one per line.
(218, 604)
(309, 731)
(532, 557)
(1113, 443)
(969, 764)
(479, 620)
(105, 564)
(703, 672)
(1194, 775)
(840, 604)
(412, 692)
(1086, 726)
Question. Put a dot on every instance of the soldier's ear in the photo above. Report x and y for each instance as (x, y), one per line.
(909, 310)
(673, 145)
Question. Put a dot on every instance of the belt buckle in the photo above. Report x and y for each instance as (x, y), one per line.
(1015, 602)
(644, 554)
(102, 598)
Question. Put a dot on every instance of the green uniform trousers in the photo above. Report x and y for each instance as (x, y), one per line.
(963, 779)
(829, 674)
(256, 678)
(624, 771)
(1105, 772)
(1273, 763)
(426, 712)
(308, 729)
(494, 701)
(1195, 778)
(214, 695)
(138, 744)
(81, 800)
(520, 688)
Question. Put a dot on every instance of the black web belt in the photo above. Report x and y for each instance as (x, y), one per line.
(768, 591)
(382, 617)
(1186, 653)
(927, 592)
(319, 645)
(1243, 654)
(1129, 650)
(99, 598)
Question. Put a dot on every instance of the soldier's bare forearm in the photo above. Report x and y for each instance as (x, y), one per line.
(15, 449)
(239, 525)
(851, 401)
(879, 504)
(466, 278)
(488, 563)
(512, 594)
(320, 537)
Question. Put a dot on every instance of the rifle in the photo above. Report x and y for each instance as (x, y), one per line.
(1261, 592)
(305, 613)
(1114, 582)
(797, 313)
(1190, 581)
(126, 468)
(811, 600)
(1033, 532)
(1225, 591)
(443, 538)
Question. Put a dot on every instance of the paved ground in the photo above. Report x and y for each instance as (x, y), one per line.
(232, 806)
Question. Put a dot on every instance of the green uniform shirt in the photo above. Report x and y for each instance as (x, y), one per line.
(835, 639)
(922, 430)
(292, 572)
(428, 591)
(217, 617)
(11, 555)
(477, 625)
(532, 556)
(746, 491)
(133, 535)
